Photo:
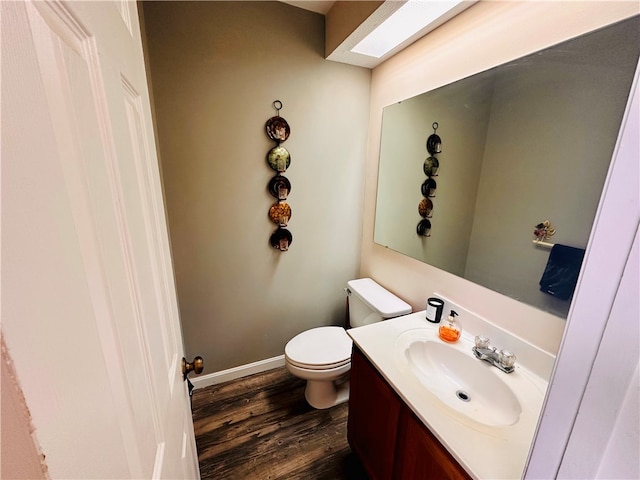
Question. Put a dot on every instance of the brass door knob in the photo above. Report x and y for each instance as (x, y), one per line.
(196, 366)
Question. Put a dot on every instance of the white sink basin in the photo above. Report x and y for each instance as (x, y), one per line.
(459, 380)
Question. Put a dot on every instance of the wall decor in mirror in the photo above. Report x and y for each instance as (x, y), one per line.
(428, 189)
(534, 139)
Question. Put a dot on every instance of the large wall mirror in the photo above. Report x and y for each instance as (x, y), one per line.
(528, 141)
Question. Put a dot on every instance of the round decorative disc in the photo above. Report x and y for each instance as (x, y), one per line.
(431, 165)
(277, 129)
(428, 188)
(281, 239)
(279, 187)
(279, 159)
(425, 208)
(280, 213)
(424, 228)
(434, 144)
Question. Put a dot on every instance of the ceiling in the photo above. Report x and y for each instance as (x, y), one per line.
(352, 26)
(318, 6)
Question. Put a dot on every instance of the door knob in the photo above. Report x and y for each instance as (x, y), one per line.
(196, 366)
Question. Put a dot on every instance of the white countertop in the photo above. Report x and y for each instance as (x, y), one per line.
(484, 452)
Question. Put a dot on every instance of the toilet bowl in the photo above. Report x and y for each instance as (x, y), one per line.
(322, 355)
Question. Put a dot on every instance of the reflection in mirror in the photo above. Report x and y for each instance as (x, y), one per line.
(525, 142)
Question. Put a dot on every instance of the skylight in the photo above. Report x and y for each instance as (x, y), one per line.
(405, 22)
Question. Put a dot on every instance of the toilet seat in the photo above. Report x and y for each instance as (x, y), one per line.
(319, 368)
(321, 348)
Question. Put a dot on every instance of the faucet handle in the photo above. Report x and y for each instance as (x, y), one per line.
(481, 341)
(507, 359)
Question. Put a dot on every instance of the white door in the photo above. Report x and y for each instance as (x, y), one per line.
(89, 312)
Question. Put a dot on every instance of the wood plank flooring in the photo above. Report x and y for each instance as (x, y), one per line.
(260, 427)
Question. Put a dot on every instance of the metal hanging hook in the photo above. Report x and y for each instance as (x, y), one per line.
(435, 126)
(277, 104)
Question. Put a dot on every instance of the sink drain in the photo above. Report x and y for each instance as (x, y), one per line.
(464, 396)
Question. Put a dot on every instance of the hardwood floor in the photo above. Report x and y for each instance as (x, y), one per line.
(260, 427)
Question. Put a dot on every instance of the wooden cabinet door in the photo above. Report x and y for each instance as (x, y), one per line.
(420, 455)
(373, 418)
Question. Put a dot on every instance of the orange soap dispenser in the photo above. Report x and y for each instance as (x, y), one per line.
(451, 331)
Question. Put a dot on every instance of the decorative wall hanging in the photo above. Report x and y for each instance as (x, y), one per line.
(279, 159)
(428, 188)
(543, 232)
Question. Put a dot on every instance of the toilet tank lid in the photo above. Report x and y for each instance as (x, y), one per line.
(378, 298)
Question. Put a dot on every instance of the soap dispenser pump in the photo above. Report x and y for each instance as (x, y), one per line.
(451, 331)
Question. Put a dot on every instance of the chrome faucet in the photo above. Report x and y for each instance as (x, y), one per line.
(504, 359)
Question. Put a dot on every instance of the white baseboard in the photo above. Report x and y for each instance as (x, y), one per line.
(237, 372)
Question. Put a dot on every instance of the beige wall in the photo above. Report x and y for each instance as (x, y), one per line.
(216, 68)
(486, 35)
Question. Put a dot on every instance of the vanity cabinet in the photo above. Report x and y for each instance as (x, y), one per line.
(391, 442)
(374, 411)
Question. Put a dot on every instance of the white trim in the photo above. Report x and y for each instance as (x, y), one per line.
(159, 461)
(238, 372)
(602, 406)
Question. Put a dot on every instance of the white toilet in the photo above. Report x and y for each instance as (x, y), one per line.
(322, 355)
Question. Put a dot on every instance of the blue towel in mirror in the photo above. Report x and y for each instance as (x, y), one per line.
(561, 273)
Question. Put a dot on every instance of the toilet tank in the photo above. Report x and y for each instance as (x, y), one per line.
(370, 303)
